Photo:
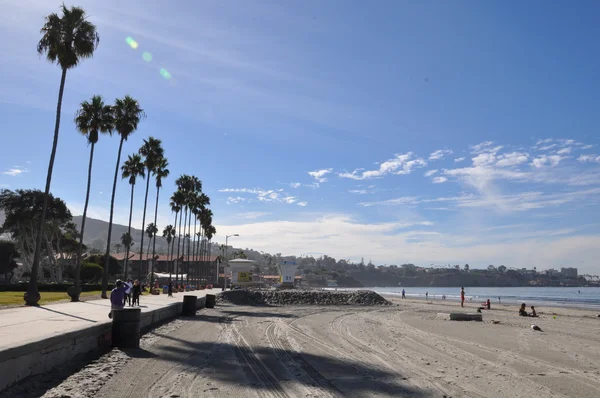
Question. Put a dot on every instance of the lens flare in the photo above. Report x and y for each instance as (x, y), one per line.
(165, 73)
(132, 43)
(147, 56)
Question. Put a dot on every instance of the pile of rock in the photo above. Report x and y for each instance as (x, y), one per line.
(302, 297)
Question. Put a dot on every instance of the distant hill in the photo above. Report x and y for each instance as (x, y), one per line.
(96, 232)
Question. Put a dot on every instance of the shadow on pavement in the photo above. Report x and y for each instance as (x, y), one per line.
(65, 314)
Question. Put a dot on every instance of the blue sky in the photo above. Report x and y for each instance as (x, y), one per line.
(425, 132)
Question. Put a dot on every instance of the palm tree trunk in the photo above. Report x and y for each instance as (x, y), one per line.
(129, 230)
(143, 226)
(172, 248)
(110, 223)
(194, 251)
(188, 248)
(183, 244)
(75, 296)
(32, 289)
(178, 244)
(154, 239)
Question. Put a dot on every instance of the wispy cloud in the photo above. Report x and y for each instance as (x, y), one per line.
(359, 191)
(252, 215)
(440, 154)
(302, 204)
(589, 158)
(459, 159)
(430, 173)
(546, 160)
(439, 180)
(512, 159)
(401, 164)
(319, 175)
(262, 195)
(15, 171)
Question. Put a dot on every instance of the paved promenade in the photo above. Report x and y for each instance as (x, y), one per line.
(22, 325)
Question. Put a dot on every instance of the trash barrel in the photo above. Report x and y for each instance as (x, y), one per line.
(126, 328)
(189, 305)
(211, 300)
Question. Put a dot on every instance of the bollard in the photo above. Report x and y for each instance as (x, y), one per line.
(211, 300)
(126, 328)
(189, 305)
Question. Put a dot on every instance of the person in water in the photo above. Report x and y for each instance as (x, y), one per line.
(522, 311)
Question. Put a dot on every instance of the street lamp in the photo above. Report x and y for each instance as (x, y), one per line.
(226, 259)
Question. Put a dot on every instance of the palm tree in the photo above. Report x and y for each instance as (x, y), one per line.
(127, 242)
(66, 40)
(151, 229)
(127, 113)
(210, 232)
(176, 206)
(205, 222)
(152, 152)
(160, 172)
(92, 118)
(169, 235)
(132, 169)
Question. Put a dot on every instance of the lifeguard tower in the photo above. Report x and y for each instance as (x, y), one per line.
(287, 272)
(241, 272)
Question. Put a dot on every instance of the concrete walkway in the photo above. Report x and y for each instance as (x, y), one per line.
(23, 325)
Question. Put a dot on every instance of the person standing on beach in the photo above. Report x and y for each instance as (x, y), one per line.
(462, 296)
(128, 289)
(403, 294)
(170, 290)
(136, 292)
(426, 295)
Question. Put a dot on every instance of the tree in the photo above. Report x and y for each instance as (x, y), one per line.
(127, 242)
(132, 168)
(152, 152)
(491, 268)
(66, 40)
(127, 113)
(8, 253)
(114, 268)
(92, 118)
(22, 211)
(176, 204)
(91, 272)
(160, 172)
(466, 267)
(169, 235)
(151, 230)
(502, 269)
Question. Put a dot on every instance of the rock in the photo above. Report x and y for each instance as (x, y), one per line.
(302, 297)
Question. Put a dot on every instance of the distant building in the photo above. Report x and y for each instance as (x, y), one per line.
(569, 272)
(551, 272)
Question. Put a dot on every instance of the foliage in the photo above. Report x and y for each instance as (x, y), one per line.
(114, 268)
(8, 254)
(91, 272)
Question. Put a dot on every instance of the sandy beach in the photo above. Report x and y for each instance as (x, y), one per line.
(336, 351)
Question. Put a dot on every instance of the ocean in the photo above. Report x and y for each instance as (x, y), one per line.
(576, 297)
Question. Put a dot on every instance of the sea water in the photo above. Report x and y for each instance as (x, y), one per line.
(576, 297)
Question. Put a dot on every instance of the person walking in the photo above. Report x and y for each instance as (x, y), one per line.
(426, 295)
(128, 289)
(136, 292)
(462, 296)
(170, 289)
(117, 298)
(403, 294)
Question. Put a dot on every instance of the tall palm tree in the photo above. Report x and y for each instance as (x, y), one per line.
(127, 242)
(92, 118)
(210, 232)
(160, 172)
(152, 151)
(132, 168)
(169, 235)
(66, 40)
(127, 113)
(205, 222)
(176, 205)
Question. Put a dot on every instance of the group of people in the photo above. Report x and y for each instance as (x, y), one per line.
(128, 292)
(522, 311)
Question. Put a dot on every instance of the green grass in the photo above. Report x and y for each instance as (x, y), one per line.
(16, 298)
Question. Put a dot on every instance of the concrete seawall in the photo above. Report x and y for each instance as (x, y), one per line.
(55, 347)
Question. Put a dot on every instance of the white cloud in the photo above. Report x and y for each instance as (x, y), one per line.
(430, 173)
(589, 158)
(440, 154)
(481, 146)
(546, 160)
(262, 195)
(512, 159)
(544, 141)
(15, 171)
(302, 204)
(564, 151)
(358, 191)
(295, 185)
(439, 180)
(401, 164)
(587, 147)
(459, 159)
(319, 175)
(398, 242)
(404, 200)
(252, 215)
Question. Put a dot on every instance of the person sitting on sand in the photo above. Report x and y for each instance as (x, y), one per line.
(522, 311)
(533, 313)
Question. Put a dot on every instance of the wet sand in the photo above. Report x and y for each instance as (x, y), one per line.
(402, 350)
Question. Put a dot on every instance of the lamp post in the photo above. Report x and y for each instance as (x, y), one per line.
(227, 260)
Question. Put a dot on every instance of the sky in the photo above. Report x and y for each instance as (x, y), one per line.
(427, 132)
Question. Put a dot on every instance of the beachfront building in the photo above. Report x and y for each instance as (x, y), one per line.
(568, 272)
(207, 269)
